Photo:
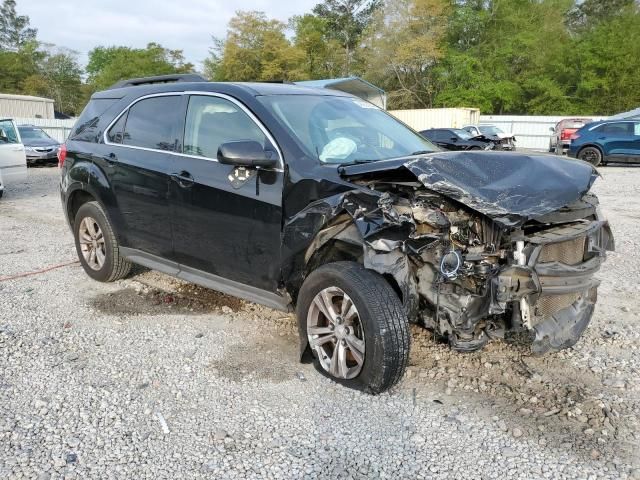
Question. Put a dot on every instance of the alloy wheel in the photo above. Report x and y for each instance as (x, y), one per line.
(92, 243)
(335, 333)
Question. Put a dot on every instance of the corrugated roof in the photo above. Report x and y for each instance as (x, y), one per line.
(26, 98)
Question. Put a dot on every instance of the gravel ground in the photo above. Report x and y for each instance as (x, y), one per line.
(151, 377)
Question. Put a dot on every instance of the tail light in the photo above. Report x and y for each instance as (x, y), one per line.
(565, 134)
(62, 154)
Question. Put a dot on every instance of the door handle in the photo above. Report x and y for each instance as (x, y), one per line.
(184, 179)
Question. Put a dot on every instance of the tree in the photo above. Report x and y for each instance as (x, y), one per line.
(345, 22)
(17, 66)
(15, 32)
(608, 61)
(403, 47)
(108, 65)
(59, 77)
(255, 49)
(323, 55)
(588, 13)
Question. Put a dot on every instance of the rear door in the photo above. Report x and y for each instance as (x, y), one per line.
(616, 138)
(226, 220)
(141, 141)
(13, 160)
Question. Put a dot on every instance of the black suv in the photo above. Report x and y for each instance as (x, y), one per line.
(315, 200)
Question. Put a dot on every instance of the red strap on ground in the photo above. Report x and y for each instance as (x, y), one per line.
(38, 272)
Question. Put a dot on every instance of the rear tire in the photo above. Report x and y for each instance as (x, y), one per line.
(97, 246)
(368, 329)
(591, 155)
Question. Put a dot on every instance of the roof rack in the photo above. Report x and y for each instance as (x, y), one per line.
(133, 82)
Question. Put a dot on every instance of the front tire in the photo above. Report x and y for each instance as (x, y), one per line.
(97, 246)
(591, 155)
(356, 326)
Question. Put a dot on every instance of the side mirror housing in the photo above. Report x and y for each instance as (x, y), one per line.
(454, 139)
(246, 154)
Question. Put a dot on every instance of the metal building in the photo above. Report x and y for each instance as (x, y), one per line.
(25, 106)
(353, 85)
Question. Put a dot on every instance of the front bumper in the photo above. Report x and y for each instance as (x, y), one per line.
(553, 294)
(49, 155)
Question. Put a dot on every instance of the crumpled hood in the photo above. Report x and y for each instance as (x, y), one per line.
(510, 188)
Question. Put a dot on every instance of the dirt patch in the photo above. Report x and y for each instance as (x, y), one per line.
(209, 298)
(148, 301)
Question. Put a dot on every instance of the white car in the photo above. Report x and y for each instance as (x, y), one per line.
(504, 140)
(13, 159)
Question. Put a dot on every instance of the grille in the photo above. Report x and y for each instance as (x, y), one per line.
(570, 252)
(550, 304)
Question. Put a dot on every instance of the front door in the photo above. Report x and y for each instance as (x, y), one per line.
(226, 220)
(140, 167)
(13, 160)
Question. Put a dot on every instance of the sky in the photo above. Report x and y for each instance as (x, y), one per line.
(186, 25)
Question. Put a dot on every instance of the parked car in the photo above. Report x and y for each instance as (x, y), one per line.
(607, 141)
(39, 146)
(503, 140)
(13, 162)
(457, 139)
(316, 201)
(562, 133)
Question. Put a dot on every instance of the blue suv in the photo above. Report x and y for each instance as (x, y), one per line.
(607, 141)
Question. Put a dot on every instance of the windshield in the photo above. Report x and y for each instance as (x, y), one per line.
(463, 134)
(31, 133)
(489, 130)
(343, 130)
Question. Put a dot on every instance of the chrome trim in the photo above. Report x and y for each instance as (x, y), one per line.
(195, 92)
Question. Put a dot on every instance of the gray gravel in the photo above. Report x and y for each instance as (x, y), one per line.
(154, 378)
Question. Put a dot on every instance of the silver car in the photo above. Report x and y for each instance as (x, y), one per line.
(39, 146)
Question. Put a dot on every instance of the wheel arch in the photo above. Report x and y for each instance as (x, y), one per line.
(85, 182)
(593, 145)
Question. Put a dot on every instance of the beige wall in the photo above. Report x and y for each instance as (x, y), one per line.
(25, 106)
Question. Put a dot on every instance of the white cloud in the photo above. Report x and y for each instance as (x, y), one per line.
(187, 25)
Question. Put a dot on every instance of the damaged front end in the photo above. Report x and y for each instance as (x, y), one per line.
(478, 245)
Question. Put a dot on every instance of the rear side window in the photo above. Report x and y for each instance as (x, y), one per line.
(152, 123)
(86, 128)
(618, 128)
(212, 121)
(636, 129)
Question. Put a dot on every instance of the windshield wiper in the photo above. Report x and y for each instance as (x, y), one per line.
(421, 152)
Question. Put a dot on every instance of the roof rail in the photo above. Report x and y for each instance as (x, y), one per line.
(183, 77)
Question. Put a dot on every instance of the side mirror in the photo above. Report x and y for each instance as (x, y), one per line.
(551, 129)
(3, 136)
(454, 139)
(246, 154)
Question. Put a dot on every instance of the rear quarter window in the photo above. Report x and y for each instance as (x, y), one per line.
(86, 128)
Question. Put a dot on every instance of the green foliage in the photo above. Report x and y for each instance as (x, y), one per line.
(108, 65)
(344, 23)
(255, 48)
(60, 78)
(15, 32)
